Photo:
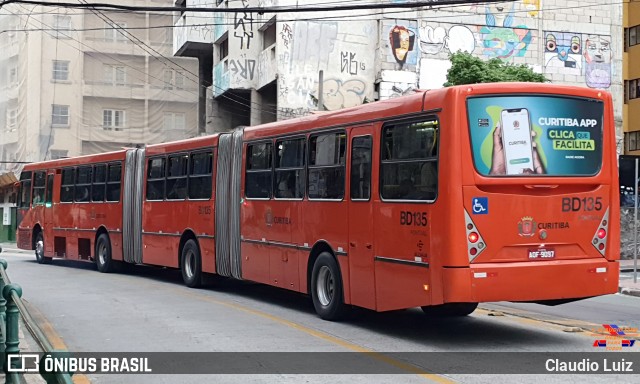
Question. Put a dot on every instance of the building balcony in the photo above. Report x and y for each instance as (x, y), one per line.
(267, 66)
(220, 78)
(190, 38)
(118, 47)
(174, 94)
(10, 136)
(120, 91)
(9, 93)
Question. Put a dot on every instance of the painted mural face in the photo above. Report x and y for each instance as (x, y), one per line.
(500, 37)
(402, 41)
(563, 49)
(597, 57)
(499, 15)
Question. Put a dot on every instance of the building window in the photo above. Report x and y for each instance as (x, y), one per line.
(62, 25)
(632, 89)
(631, 36)
(13, 75)
(113, 120)
(223, 49)
(12, 120)
(115, 75)
(60, 70)
(60, 115)
(114, 32)
(58, 154)
(174, 122)
(269, 36)
(173, 79)
(633, 140)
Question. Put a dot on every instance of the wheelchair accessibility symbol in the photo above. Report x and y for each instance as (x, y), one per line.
(480, 205)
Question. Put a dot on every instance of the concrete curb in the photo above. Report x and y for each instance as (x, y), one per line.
(629, 291)
(15, 250)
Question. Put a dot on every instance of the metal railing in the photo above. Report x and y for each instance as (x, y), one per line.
(11, 307)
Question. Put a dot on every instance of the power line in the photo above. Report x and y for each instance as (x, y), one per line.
(259, 10)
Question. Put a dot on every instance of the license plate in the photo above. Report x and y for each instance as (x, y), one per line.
(541, 254)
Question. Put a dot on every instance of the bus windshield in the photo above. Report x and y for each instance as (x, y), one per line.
(536, 135)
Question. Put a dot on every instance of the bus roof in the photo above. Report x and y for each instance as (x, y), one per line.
(183, 145)
(78, 160)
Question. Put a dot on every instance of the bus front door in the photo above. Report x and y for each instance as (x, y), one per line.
(361, 250)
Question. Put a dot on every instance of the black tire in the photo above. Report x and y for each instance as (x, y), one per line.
(326, 288)
(103, 254)
(191, 264)
(450, 309)
(39, 250)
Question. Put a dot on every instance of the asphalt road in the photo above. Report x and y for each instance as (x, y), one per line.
(146, 309)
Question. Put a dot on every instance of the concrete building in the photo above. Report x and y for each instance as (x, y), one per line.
(267, 66)
(76, 82)
(631, 74)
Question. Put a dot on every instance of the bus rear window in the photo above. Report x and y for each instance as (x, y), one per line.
(536, 135)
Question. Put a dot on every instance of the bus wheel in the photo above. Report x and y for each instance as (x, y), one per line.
(40, 257)
(326, 288)
(450, 309)
(191, 264)
(103, 254)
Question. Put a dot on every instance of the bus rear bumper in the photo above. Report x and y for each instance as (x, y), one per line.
(532, 281)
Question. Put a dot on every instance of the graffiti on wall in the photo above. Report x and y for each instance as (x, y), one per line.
(243, 68)
(435, 40)
(287, 35)
(402, 44)
(500, 37)
(338, 94)
(243, 26)
(563, 50)
(532, 7)
(313, 43)
(569, 53)
(349, 64)
(597, 58)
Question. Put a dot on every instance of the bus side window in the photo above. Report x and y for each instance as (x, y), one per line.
(361, 168)
(39, 183)
(200, 172)
(98, 188)
(258, 177)
(66, 187)
(114, 175)
(25, 189)
(409, 162)
(155, 178)
(289, 169)
(176, 188)
(327, 166)
(83, 184)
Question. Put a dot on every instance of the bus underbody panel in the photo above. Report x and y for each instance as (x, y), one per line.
(567, 279)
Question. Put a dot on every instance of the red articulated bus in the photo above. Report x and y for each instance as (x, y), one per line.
(442, 200)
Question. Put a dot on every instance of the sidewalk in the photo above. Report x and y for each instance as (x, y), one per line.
(626, 286)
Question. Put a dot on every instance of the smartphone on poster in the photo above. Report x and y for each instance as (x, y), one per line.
(516, 140)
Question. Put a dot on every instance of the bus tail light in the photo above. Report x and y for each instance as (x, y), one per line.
(600, 238)
(475, 242)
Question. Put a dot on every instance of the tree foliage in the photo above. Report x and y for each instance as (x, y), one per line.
(468, 69)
